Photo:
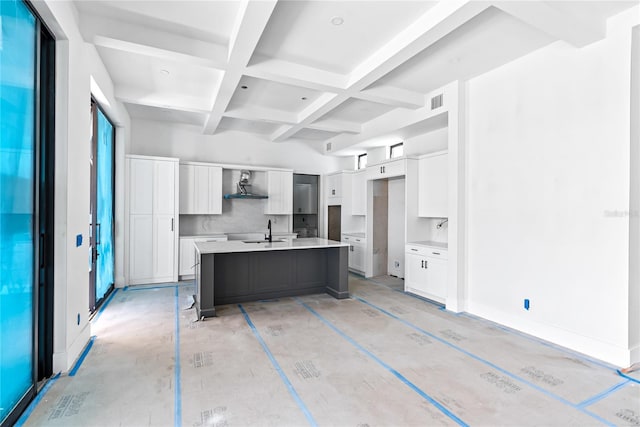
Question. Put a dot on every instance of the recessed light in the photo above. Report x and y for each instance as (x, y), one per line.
(165, 72)
(337, 20)
(244, 87)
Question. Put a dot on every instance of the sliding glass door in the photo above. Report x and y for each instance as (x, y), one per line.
(18, 210)
(102, 180)
(27, 116)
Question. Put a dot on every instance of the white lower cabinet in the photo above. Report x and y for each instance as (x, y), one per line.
(426, 272)
(188, 254)
(357, 248)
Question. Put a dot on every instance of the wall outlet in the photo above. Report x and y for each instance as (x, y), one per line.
(396, 264)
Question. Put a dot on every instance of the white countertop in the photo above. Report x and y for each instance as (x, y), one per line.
(430, 244)
(240, 246)
(204, 236)
(356, 234)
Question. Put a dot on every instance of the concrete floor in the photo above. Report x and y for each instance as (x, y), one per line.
(380, 358)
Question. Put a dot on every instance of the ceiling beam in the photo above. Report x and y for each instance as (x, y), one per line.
(262, 114)
(123, 36)
(394, 96)
(555, 22)
(154, 52)
(435, 24)
(336, 126)
(250, 24)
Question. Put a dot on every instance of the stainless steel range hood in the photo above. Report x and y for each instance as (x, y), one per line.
(243, 190)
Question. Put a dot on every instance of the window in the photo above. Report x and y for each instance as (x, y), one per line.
(396, 150)
(362, 161)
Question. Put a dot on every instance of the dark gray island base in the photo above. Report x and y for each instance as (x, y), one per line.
(252, 275)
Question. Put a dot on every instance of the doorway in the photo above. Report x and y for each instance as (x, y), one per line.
(101, 273)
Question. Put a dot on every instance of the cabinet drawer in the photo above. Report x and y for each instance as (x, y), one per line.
(427, 251)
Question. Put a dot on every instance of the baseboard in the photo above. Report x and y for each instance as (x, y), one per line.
(607, 352)
(63, 361)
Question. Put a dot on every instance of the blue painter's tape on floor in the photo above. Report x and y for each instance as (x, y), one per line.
(630, 378)
(27, 412)
(75, 368)
(397, 374)
(598, 397)
(276, 365)
(177, 422)
(486, 362)
(104, 305)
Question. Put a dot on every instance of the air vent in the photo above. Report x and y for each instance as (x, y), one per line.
(436, 102)
(328, 146)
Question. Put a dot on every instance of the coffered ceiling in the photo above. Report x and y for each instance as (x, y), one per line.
(311, 71)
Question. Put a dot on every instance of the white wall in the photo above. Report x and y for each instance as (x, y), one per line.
(232, 147)
(429, 142)
(548, 140)
(395, 227)
(76, 62)
(634, 217)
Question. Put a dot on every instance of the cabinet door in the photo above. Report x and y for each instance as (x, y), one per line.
(436, 278)
(359, 193)
(141, 186)
(164, 191)
(415, 273)
(215, 190)
(358, 257)
(140, 248)
(163, 248)
(433, 190)
(280, 192)
(201, 189)
(334, 185)
(187, 189)
(187, 257)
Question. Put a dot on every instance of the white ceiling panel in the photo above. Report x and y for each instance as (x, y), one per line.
(251, 126)
(472, 49)
(194, 85)
(302, 31)
(357, 111)
(269, 94)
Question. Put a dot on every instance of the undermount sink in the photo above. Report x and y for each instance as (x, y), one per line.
(263, 241)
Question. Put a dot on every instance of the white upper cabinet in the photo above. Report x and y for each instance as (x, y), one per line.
(141, 186)
(433, 190)
(200, 189)
(359, 193)
(280, 193)
(388, 169)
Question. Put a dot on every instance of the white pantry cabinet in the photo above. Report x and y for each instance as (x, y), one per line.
(200, 189)
(426, 272)
(359, 193)
(153, 213)
(280, 193)
(334, 187)
(433, 190)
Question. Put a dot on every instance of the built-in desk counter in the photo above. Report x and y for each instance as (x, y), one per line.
(236, 271)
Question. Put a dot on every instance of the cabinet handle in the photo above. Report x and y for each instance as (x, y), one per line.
(415, 250)
(351, 248)
(422, 263)
(171, 224)
(384, 169)
(436, 253)
(333, 192)
(426, 264)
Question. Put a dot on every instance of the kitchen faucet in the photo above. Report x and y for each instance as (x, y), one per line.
(270, 238)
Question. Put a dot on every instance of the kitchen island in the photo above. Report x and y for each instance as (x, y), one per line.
(239, 271)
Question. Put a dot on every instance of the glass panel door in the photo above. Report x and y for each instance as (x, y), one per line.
(104, 209)
(17, 208)
(101, 275)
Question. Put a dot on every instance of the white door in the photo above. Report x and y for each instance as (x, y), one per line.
(163, 248)
(201, 193)
(164, 190)
(215, 190)
(141, 186)
(416, 274)
(437, 278)
(141, 248)
(187, 188)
